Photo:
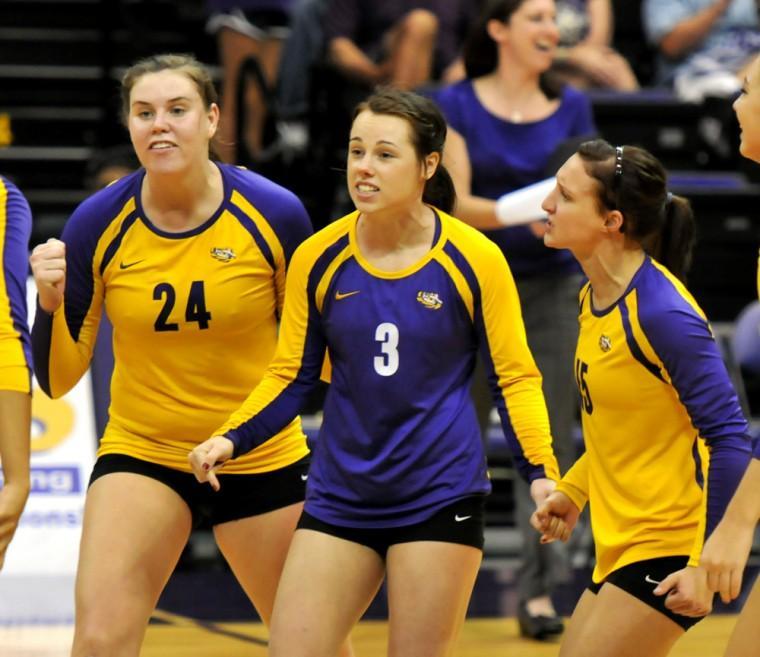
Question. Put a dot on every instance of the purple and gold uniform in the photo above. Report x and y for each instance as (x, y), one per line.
(666, 441)
(399, 439)
(194, 316)
(15, 345)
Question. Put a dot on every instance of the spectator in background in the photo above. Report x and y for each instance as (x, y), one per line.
(506, 121)
(704, 45)
(15, 360)
(397, 42)
(301, 52)
(109, 164)
(585, 57)
(246, 29)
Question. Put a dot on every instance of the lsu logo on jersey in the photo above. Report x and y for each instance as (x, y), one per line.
(223, 255)
(605, 344)
(430, 300)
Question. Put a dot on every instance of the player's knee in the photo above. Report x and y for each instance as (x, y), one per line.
(97, 639)
(420, 24)
(93, 642)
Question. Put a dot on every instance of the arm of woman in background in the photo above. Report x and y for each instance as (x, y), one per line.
(600, 24)
(690, 32)
(474, 210)
(483, 213)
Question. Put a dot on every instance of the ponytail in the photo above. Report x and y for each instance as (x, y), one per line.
(672, 245)
(439, 190)
(633, 181)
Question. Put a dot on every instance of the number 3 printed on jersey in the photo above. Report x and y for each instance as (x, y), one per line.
(195, 311)
(387, 335)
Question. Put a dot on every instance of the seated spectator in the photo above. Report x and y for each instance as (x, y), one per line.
(704, 45)
(397, 42)
(301, 52)
(246, 29)
(585, 57)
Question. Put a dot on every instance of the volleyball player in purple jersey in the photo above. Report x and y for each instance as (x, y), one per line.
(403, 297)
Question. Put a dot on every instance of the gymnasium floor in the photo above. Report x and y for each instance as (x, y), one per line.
(178, 637)
(204, 614)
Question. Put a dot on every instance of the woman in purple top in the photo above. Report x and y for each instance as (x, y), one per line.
(506, 121)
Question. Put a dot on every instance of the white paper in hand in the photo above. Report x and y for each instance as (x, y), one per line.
(524, 205)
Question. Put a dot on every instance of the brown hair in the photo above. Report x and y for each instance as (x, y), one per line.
(481, 56)
(428, 131)
(633, 181)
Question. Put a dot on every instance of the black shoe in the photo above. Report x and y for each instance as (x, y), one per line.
(540, 628)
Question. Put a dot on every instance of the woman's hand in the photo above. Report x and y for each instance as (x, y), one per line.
(555, 518)
(687, 592)
(209, 457)
(48, 262)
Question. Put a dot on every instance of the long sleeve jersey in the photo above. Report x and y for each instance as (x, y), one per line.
(666, 441)
(194, 315)
(400, 438)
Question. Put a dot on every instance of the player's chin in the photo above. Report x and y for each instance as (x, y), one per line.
(550, 237)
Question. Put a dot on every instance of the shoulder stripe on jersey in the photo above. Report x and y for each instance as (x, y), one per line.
(253, 229)
(329, 276)
(461, 284)
(321, 265)
(634, 346)
(469, 275)
(113, 247)
(697, 463)
(80, 275)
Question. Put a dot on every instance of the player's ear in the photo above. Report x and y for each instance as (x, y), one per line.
(614, 221)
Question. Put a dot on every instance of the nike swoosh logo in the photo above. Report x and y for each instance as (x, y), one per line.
(125, 265)
(304, 477)
(461, 518)
(343, 295)
(649, 580)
